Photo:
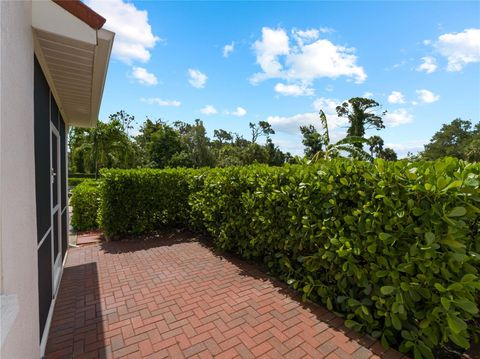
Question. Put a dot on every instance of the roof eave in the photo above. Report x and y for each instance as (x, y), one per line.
(74, 58)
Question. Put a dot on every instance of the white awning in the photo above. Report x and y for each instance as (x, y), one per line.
(74, 58)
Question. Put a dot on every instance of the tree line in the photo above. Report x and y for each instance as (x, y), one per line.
(159, 144)
(459, 138)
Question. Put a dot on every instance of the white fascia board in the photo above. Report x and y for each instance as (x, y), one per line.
(50, 17)
(100, 67)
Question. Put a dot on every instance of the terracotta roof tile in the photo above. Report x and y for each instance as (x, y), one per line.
(83, 12)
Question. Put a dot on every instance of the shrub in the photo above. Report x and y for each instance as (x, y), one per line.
(392, 246)
(137, 201)
(85, 202)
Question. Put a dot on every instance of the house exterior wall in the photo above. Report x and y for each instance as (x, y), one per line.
(18, 228)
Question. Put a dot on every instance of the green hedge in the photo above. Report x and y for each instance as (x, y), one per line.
(392, 246)
(85, 202)
(137, 201)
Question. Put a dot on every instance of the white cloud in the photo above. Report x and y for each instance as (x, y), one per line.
(428, 65)
(144, 77)
(397, 117)
(309, 57)
(460, 48)
(291, 124)
(396, 97)
(197, 78)
(402, 149)
(293, 90)
(324, 59)
(209, 110)
(133, 34)
(329, 107)
(305, 35)
(228, 49)
(239, 112)
(160, 102)
(274, 43)
(309, 35)
(292, 144)
(427, 96)
(368, 95)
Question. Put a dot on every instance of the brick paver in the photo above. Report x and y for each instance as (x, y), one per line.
(173, 297)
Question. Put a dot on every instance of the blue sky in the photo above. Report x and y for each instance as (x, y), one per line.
(231, 63)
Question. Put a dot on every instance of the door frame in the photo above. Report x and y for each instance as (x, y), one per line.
(57, 262)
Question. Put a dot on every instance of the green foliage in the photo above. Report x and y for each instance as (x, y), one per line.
(262, 129)
(160, 142)
(105, 146)
(187, 145)
(312, 140)
(347, 144)
(361, 115)
(143, 200)
(85, 203)
(393, 246)
(457, 139)
(375, 144)
(388, 154)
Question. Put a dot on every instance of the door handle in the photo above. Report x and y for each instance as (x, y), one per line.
(53, 174)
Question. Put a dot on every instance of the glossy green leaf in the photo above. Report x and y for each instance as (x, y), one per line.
(457, 212)
(456, 324)
(386, 290)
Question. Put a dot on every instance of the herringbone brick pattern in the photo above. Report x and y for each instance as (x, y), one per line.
(175, 298)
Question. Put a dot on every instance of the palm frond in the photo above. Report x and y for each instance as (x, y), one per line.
(326, 135)
(351, 140)
(318, 156)
(355, 152)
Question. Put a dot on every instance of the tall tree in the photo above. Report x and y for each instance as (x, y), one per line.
(164, 144)
(199, 145)
(388, 154)
(375, 144)
(312, 140)
(105, 146)
(275, 156)
(262, 129)
(472, 150)
(361, 115)
(452, 139)
(348, 144)
(125, 120)
(222, 136)
(159, 143)
(77, 136)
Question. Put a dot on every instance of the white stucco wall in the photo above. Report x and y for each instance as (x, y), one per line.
(18, 240)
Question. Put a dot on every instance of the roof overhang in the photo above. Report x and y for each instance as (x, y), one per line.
(74, 57)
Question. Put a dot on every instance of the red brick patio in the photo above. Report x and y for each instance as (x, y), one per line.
(173, 297)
